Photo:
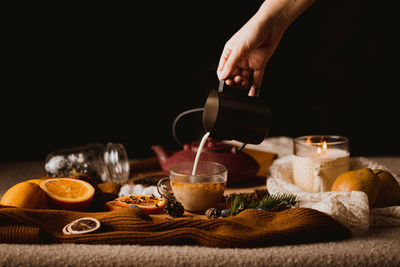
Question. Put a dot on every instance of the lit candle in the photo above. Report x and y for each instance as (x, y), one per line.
(318, 161)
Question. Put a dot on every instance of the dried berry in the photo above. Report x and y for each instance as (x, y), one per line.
(213, 213)
(225, 213)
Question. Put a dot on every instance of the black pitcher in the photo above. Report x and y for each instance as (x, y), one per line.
(231, 115)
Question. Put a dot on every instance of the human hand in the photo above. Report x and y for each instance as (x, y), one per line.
(247, 53)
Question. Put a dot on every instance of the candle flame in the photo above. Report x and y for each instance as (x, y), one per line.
(324, 147)
(308, 140)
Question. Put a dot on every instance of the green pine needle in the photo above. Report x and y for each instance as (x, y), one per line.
(276, 202)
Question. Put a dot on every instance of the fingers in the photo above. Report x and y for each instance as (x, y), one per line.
(241, 81)
(238, 78)
(257, 81)
(238, 81)
(253, 91)
(258, 77)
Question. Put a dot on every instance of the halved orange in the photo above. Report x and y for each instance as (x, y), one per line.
(149, 204)
(68, 194)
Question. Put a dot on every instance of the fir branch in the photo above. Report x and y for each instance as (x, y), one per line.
(239, 203)
(276, 202)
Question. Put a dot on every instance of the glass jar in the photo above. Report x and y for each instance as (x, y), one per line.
(103, 163)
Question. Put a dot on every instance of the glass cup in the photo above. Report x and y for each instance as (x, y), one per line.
(198, 192)
(318, 160)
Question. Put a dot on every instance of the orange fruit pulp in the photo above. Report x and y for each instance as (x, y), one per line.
(149, 204)
(68, 194)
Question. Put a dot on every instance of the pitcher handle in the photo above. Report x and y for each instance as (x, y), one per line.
(256, 89)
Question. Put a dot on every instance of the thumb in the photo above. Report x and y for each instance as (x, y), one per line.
(227, 63)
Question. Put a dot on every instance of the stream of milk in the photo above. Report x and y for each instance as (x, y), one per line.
(201, 145)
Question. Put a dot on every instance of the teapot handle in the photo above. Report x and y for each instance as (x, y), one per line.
(188, 112)
(177, 119)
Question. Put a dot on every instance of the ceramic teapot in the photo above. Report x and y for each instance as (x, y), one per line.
(240, 165)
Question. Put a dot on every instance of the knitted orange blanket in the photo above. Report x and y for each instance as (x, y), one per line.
(250, 228)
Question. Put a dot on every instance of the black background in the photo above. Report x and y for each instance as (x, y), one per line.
(112, 73)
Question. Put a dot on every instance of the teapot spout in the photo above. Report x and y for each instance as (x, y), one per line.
(161, 153)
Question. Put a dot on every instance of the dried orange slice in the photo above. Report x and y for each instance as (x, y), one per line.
(68, 194)
(82, 226)
(149, 204)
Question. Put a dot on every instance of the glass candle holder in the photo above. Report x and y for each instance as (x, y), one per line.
(318, 160)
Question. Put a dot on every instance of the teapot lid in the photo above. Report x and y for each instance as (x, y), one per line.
(212, 145)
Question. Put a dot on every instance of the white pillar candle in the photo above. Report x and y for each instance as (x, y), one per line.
(317, 165)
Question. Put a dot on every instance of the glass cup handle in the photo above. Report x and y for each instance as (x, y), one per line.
(162, 188)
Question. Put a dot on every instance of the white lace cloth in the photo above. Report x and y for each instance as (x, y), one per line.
(351, 209)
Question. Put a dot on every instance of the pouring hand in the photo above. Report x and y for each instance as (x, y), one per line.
(249, 50)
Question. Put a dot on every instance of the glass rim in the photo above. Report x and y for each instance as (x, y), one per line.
(302, 140)
(171, 169)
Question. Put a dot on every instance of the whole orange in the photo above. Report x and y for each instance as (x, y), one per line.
(25, 195)
(359, 180)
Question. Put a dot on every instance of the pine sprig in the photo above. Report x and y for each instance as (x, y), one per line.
(239, 203)
(276, 202)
